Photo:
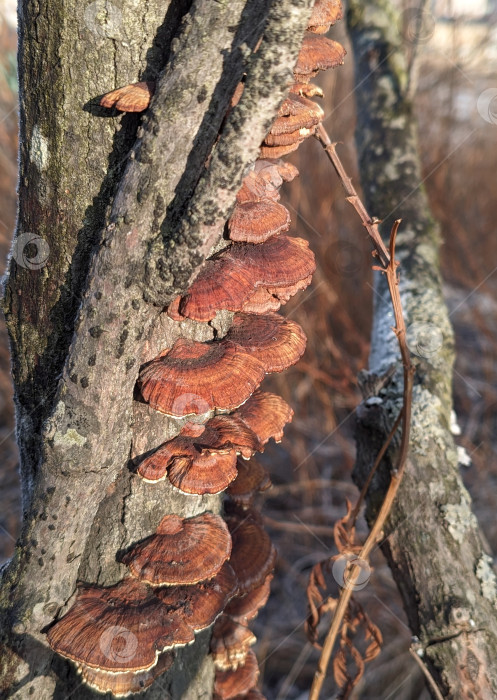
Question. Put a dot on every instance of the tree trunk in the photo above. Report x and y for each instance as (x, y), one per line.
(116, 216)
(432, 541)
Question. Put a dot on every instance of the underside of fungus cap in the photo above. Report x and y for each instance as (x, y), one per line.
(196, 378)
(245, 608)
(266, 414)
(201, 605)
(182, 551)
(251, 479)
(229, 684)
(278, 151)
(131, 98)
(230, 643)
(317, 53)
(253, 555)
(127, 683)
(324, 15)
(121, 628)
(255, 222)
(232, 277)
(274, 340)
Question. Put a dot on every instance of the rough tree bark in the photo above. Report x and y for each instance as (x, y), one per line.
(432, 542)
(129, 212)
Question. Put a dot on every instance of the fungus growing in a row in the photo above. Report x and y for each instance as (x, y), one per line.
(229, 684)
(245, 608)
(317, 53)
(255, 222)
(252, 555)
(276, 341)
(127, 683)
(197, 378)
(119, 629)
(251, 479)
(324, 15)
(182, 551)
(229, 279)
(296, 120)
(230, 643)
(130, 98)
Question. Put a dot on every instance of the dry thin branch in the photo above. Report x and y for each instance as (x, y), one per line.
(389, 268)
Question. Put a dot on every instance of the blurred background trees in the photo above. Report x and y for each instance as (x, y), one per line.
(457, 59)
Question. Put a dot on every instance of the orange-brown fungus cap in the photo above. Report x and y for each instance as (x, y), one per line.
(121, 628)
(296, 113)
(287, 139)
(194, 378)
(251, 478)
(261, 302)
(201, 604)
(229, 684)
(324, 14)
(252, 556)
(232, 277)
(131, 98)
(255, 222)
(274, 340)
(278, 151)
(254, 188)
(230, 643)
(306, 90)
(246, 608)
(211, 472)
(266, 414)
(123, 684)
(317, 53)
(182, 551)
(288, 171)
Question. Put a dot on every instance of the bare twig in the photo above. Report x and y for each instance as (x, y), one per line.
(389, 268)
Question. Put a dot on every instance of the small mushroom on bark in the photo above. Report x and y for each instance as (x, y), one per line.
(197, 378)
(274, 340)
(182, 551)
(230, 643)
(131, 98)
(229, 684)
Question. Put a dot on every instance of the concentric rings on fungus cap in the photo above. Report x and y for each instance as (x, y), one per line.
(196, 378)
(230, 643)
(120, 628)
(245, 608)
(251, 479)
(233, 276)
(255, 222)
(317, 53)
(266, 414)
(274, 340)
(182, 551)
(211, 473)
(131, 98)
(252, 555)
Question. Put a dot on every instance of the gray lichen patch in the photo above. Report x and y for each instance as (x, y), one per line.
(459, 518)
(39, 149)
(488, 581)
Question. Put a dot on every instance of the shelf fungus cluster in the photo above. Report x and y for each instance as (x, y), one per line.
(206, 570)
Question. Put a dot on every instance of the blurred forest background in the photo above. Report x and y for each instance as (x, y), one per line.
(310, 470)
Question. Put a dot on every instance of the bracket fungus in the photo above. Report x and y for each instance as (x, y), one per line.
(250, 479)
(197, 378)
(229, 684)
(253, 555)
(130, 98)
(182, 551)
(245, 608)
(325, 14)
(121, 628)
(317, 53)
(230, 278)
(266, 414)
(276, 341)
(230, 643)
(255, 222)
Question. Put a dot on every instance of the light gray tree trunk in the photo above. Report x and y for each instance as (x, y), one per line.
(432, 540)
(125, 212)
